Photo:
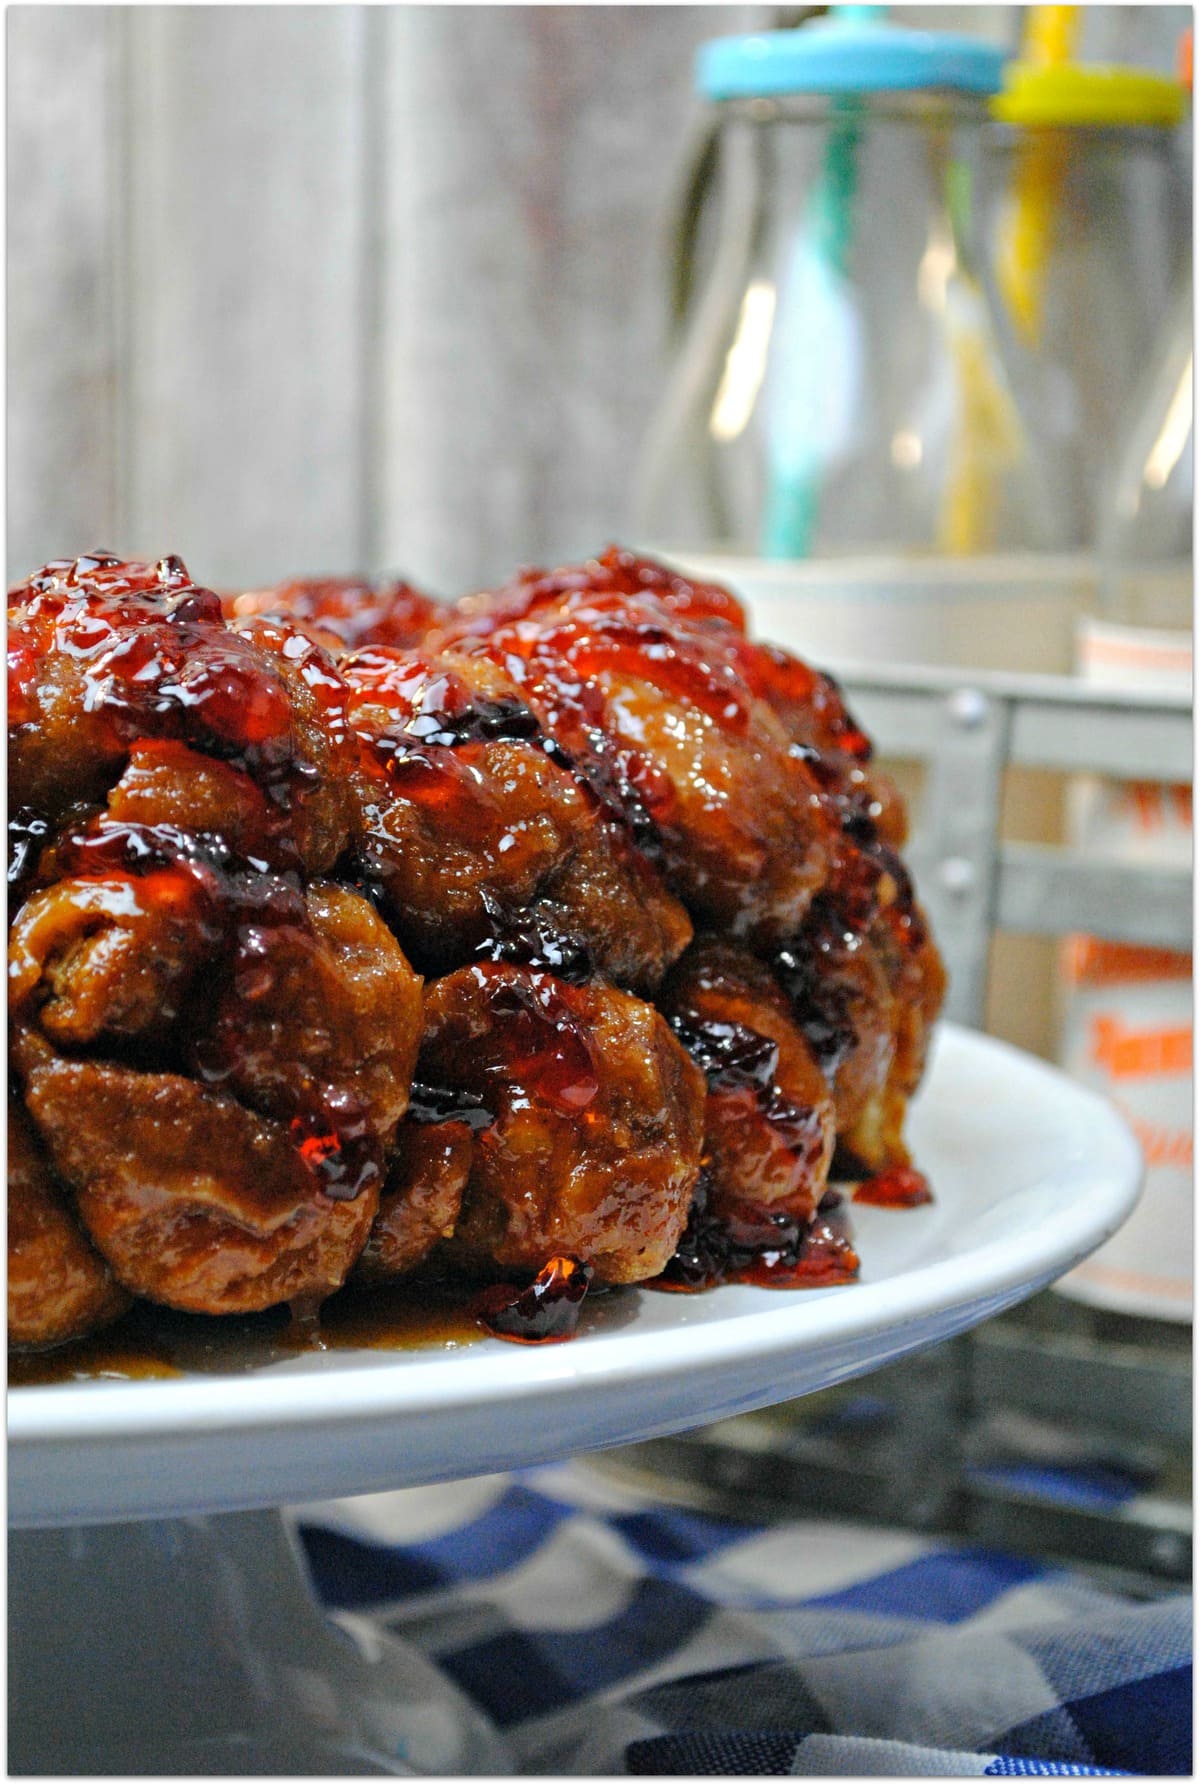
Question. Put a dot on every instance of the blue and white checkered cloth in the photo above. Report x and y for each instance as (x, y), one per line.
(605, 1633)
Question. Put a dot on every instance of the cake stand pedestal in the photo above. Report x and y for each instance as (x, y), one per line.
(196, 1646)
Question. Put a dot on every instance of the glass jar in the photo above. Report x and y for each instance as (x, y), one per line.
(838, 387)
(1079, 258)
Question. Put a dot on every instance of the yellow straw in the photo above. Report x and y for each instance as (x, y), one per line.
(987, 440)
(1051, 34)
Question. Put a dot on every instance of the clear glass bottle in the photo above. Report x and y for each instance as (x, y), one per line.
(838, 388)
(1076, 215)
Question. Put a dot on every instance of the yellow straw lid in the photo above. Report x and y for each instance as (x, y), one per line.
(1083, 93)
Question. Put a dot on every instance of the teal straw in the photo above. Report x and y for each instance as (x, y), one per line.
(793, 492)
(794, 467)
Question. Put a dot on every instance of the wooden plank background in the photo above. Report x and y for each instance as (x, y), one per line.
(245, 268)
(333, 287)
(62, 205)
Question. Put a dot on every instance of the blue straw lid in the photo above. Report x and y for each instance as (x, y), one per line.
(846, 52)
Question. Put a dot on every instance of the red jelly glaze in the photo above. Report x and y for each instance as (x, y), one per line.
(328, 1125)
(826, 1258)
(621, 633)
(898, 1187)
(559, 635)
(314, 665)
(535, 1045)
(545, 1049)
(560, 686)
(156, 657)
(616, 570)
(740, 1066)
(237, 907)
(162, 670)
(770, 1248)
(545, 1313)
(556, 631)
(788, 682)
(75, 605)
(167, 867)
(428, 746)
(347, 612)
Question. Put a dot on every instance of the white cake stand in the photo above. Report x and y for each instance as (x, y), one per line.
(161, 1624)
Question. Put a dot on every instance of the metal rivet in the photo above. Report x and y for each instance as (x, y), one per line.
(957, 875)
(968, 708)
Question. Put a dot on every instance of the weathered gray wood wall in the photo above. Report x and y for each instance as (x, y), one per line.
(304, 288)
(334, 287)
(245, 265)
(63, 374)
